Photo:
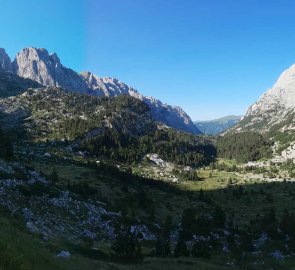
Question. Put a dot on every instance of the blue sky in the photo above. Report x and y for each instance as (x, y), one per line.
(212, 58)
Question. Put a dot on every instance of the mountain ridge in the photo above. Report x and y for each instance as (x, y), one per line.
(219, 125)
(273, 107)
(40, 66)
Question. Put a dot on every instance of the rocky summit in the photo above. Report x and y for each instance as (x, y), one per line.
(274, 107)
(46, 69)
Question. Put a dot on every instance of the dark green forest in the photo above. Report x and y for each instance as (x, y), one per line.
(243, 147)
(182, 148)
(119, 128)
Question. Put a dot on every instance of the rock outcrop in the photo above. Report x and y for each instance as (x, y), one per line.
(275, 107)
(46, 69)
(282, 94)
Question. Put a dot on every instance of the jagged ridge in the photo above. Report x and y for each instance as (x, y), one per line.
(273, 108)
(46, 69)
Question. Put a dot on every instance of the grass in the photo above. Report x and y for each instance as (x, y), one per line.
(21, 251)
(214, 183)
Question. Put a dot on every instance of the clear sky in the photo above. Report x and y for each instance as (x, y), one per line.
(212, 57)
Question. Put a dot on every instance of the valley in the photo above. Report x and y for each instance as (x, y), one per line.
(102, 177)
(218, 126)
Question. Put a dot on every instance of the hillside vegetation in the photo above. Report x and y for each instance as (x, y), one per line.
(96, 183)
(120, 128)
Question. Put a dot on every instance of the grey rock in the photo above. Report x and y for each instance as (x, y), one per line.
(274, 107)
(64, 254)
(32, 227)
(172, 116)
(46, 69)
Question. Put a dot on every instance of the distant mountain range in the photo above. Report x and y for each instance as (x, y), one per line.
(47, 70)
(214, 127)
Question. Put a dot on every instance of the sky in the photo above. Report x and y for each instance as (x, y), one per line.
(213, 58)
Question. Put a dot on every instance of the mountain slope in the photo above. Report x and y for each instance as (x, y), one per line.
(119, 127)
(172, 116)
(273, 117)
(46, 69)
(274, 107)
(214, 127)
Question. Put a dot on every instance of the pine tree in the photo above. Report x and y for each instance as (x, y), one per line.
(126, 246)
(163, 238)
(219, 217)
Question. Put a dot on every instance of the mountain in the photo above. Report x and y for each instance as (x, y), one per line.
(274, 110)
(47, 69)
(217, 126)
(172, 116)
(273, 116)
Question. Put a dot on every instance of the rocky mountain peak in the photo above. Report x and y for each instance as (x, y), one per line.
(38, 54)
(46, 69)
(35, 64)
(273, 107)
(5, 62)
(282, 94)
